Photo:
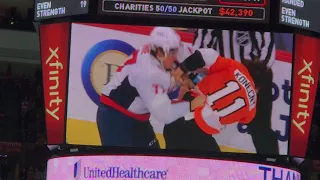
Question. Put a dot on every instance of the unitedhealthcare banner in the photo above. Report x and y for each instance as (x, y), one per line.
(155, 167)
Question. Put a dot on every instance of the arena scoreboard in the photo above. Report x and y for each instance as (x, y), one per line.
(301, 14)
(45, 9)
(240, 10)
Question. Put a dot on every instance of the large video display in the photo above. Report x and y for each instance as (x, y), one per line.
(176, 88)
(156, 167)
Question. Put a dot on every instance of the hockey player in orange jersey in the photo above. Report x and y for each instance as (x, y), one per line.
(230, 89)
(231, 94)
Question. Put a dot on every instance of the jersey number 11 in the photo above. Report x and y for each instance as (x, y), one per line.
(237, 104)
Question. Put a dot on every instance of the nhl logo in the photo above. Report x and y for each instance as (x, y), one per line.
(243, 38)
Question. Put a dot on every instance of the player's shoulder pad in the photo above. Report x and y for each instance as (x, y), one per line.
(185, 51)
(154, 75)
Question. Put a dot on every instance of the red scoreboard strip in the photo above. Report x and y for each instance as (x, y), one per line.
(257, 3)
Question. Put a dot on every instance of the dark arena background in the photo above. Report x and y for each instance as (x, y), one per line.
(114, 110)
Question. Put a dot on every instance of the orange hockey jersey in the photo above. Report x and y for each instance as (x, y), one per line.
(231, 94)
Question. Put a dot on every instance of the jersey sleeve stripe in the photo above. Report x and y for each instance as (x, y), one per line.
(109, 102)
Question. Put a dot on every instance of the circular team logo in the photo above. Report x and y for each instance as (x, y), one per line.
(99, 64)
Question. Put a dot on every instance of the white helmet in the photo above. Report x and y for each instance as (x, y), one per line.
(165, 38)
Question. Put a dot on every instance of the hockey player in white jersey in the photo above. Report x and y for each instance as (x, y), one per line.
(139, 88)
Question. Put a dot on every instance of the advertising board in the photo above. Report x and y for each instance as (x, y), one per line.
(156, 167)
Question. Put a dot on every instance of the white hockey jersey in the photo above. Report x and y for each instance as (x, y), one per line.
(140, 87)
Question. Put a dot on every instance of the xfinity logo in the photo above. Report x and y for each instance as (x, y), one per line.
(307, 81)
(55, 66)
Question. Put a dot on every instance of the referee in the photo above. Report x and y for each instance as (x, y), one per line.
(242, 46)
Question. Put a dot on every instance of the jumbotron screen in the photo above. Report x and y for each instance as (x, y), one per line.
(157, 167)
(121, 85)
(178, 88)
(233, 10)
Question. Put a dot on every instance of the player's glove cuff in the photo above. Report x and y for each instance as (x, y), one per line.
(207, 120)
(192, 62)
(188, 96)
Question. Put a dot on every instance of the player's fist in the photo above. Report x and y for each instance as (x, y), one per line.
(183, 90)
(177, 75)
(199, 101)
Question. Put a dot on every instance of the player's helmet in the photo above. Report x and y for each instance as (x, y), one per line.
(166, 38)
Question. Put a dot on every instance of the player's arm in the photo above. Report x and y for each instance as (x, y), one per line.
(205, 58)
(199, 59)
(155, 97)
(207, 120)
(268, 49)
(204, 38)
(185, 51)
(198, 40)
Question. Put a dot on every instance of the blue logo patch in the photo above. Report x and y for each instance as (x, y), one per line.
(77, 170)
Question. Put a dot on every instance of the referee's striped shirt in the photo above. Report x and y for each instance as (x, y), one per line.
(238, 45)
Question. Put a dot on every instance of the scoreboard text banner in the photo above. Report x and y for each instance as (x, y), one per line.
(300, 13)
(45, 9)
(233, 10)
